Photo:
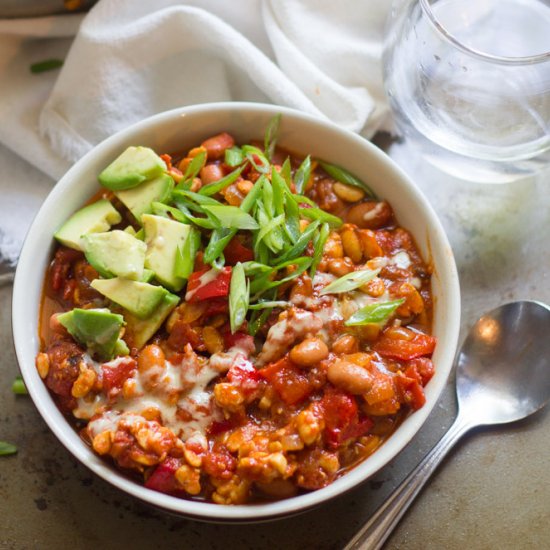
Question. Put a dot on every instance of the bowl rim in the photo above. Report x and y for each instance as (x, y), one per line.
(66, 434)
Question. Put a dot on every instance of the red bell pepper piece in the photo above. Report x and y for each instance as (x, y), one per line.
(404, 343)
(235, 252)
(288, 380)
(244, 375)
(163, 479)
(410, 391)
(240, 340)
(215, 288)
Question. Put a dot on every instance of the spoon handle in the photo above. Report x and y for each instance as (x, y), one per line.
(379, 527)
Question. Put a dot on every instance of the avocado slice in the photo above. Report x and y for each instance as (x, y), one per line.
(133, 166)
(115, 253)
(94, 218)
(141, 330)
(138, 200)
(97, 329)
(163, 238)
(140, 299)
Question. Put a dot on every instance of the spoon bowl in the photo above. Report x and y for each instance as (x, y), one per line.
(503, 375)
(503, 368)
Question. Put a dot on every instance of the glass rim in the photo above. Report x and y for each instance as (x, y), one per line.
(503, 60)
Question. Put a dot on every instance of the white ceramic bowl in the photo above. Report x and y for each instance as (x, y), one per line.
(181, 128)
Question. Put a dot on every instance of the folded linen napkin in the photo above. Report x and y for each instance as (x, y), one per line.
(129, 60)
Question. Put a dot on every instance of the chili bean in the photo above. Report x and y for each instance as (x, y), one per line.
(348, 193)
(349, 376)
(370, 214)
(309, 352)
(245, 186)
(211, 172)
(216, 145)
(42, 364)
(369, 244)
(346, 344)
(151, 356)
(340, 266)
(102, 442)
(333, 246)
(351, 243)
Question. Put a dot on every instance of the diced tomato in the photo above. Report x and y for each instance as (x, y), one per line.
(219, 462)
(215, 288)
(215, 306)
(115, 375)
(410, 391)
(288, 380)
(217, 427)
(243, 374)
(167, 160)
(404, 343)
(421, 368)
(239, 340)
(235, 252)
(163, 479)
(342, 417)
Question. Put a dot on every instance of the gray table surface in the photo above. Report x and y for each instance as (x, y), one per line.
(491, 492)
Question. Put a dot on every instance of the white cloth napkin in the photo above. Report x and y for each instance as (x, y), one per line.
(129, 60)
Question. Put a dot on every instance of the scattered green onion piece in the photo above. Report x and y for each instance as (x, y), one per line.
(303, 199)
(270, 304)
(321, 215)
(301, 244)
(218, 241)
(254, 268)
(267, 198)
(161, 209)
(202, 200)
(263, 283)
(46, 65)
(318, 247)
(266, 229)
(18, 387)
(250, 200)
(7, 448)
(257, 320)
(376, 313)
(182, 214)
(271, 134)
(234, 156)
(292, 211)
(278, 184)
(239, 295)
(343, 176)
(286, 172)
(302, 175)
(350, 282)
(232, 217)
(256, 158)
(219, 262)
(185, 259)
(217, 186)
(195, 166)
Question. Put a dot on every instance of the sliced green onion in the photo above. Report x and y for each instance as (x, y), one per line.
(258, 320)
(376, 313)
(301, 244)
(256, 158)
(266, 229)
(263, 283)
(195, 166)
(292, 211)
(18, 387)
(321, 215)
(46, 65)
(278, 184)
(318, 247)
(267, 198)
(218, 241)
(202, 200)
(217, 186)
(271, 134)
(351, 281)
(302, 175)
(343, 176)
(232, 217)
(239, 295)
(185, 258)
(250, 200)
(270, 304)
(254, 268)
(161, 209)
(234, 156)
(7, 448)
(182, 214)
(286, 172)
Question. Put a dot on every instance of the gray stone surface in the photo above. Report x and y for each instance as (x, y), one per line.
(491, 492)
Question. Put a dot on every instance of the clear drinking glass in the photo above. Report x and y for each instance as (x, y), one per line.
(469, 84)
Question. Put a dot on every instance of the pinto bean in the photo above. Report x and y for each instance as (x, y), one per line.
(151, 356)
(370, 214)
(211, 172)
(309, 352)
(216, 145)
(349, 376)
(348, 193)
(351, 243)
(340, 266)
(346, 344)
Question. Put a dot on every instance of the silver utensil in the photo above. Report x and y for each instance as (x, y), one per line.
(502, 375)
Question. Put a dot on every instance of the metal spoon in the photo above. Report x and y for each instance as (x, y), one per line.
(503, 375)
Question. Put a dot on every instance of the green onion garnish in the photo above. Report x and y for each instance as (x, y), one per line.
(270, 304)
(46, 65)
(318, 248)
(232, 217)
(256, 158)
(343, 176)
(271, 134)
(376, 313)
(18, 387)
(302, 175)
(239, 295)
(7, 448)
(351, 281)
(217, 186)
(234, 156)
(195, 166)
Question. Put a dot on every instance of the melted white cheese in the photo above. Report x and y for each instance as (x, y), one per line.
(204, 279)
